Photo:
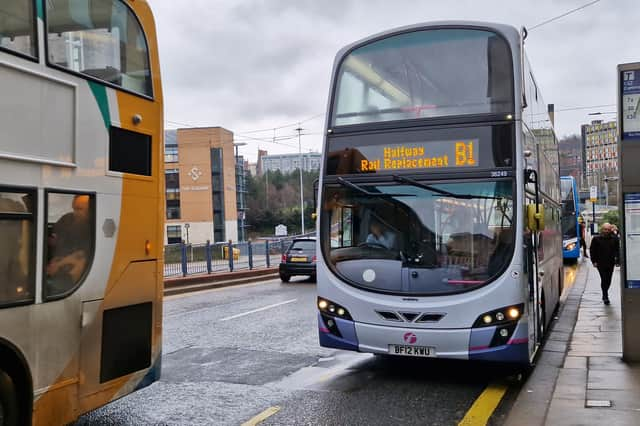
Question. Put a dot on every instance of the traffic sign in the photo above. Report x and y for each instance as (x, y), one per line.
(593, 194)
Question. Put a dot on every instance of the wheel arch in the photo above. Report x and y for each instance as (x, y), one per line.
(16, 366)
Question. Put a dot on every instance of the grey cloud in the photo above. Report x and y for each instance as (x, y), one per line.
(242, 63)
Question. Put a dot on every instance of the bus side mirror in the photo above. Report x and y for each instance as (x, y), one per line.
(535, 219)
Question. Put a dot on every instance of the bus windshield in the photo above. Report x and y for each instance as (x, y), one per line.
(423, 74)
(412, 237)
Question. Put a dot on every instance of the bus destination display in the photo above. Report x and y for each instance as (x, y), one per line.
(430, 155)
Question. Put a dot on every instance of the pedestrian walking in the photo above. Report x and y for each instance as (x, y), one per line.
(583, 236)
(605, 255)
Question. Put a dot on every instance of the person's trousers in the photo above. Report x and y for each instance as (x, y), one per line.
(606, 272)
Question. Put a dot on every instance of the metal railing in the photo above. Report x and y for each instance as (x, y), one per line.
(181, 260)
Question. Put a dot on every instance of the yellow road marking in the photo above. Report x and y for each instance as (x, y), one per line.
(484, 406)
(262, 416)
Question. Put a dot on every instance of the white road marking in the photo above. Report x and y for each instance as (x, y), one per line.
(258, 310)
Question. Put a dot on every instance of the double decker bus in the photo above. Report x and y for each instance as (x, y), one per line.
(571, 234)
(439, 197)
(81, 206)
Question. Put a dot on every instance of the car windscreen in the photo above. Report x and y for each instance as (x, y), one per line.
(417, 237)
(308, 246)
(424, 74)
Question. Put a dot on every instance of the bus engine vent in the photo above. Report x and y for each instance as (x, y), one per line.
(430, 317)
(391, 316)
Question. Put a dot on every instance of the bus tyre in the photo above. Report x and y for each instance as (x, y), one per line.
(284, 278)
(8, 401)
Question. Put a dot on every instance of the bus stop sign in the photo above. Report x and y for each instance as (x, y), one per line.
(593, 194)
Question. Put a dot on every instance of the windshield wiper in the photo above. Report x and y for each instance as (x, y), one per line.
(439, 191)
(360, 189)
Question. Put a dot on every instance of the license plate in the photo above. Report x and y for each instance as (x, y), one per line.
(406, 350)
(298, 259)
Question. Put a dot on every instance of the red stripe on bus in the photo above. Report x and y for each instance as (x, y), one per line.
(478, 348)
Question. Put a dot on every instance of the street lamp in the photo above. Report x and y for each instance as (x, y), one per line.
(299, 129)
(240, 202)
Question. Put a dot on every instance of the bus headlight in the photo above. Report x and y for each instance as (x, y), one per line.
(333, 309)
(498, 317)
(570, 246)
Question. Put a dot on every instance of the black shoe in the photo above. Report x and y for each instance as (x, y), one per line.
(606, 302)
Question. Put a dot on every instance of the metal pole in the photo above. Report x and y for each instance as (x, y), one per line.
(299, 129)
(208, 254)
(593, 223)
(266, 251)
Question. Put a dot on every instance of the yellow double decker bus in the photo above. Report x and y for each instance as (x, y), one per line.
(81, 206)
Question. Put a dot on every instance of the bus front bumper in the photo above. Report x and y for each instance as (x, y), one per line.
(466, 343)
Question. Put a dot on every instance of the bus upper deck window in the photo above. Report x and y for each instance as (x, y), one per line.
(101, 39)
(17, 27)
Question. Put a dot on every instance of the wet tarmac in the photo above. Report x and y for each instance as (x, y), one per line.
(232, 353)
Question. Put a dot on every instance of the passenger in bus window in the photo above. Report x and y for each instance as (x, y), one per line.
(13, 275)
(380, 236)
(69, 246)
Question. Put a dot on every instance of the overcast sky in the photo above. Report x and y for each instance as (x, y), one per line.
(249, 65)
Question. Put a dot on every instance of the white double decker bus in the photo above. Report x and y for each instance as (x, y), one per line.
(439, 213)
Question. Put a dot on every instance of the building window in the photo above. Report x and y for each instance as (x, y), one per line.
(172, 192)
(17, 257)
(17, 27)
(70, 242)
(171, 154)
(217, 194)
(174, 234)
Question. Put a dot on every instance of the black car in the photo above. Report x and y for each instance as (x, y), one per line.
(299, 259)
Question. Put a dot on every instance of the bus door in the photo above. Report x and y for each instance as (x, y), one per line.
(534, 281)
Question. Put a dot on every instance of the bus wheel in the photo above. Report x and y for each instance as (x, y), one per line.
(8, 401)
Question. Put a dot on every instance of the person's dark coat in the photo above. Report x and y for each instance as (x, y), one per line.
(605, 250)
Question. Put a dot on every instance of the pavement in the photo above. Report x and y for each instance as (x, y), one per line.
(580, 377)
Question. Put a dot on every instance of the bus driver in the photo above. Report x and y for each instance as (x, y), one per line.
(380, 236)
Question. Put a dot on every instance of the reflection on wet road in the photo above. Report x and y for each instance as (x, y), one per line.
(570, 273)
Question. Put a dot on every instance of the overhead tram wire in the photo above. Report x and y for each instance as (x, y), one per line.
(562, 15)
(243, 135)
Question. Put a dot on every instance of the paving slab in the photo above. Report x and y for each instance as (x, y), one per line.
(591, 365)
